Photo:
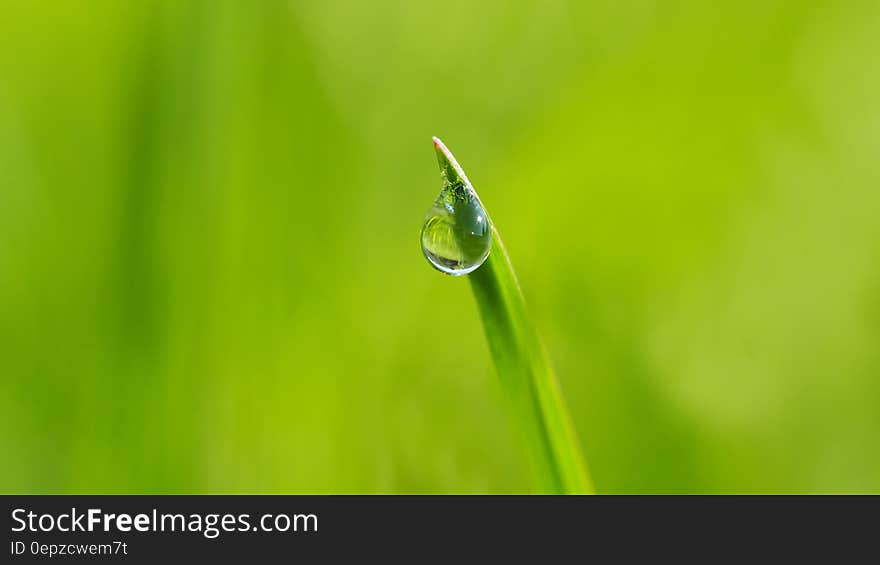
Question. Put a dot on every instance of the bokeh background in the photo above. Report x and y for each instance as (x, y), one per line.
(210, 278)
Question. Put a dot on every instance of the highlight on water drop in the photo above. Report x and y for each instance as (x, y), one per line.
(456, 236)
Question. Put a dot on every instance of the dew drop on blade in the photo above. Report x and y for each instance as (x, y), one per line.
(456, 236)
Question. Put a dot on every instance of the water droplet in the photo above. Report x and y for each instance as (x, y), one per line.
(456, 235)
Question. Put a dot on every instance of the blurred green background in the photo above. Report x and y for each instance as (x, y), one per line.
(210, 277)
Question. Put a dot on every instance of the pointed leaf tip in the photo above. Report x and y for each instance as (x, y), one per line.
(448, 165)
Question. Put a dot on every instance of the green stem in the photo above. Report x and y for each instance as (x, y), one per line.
(522, 364)
(526, 375)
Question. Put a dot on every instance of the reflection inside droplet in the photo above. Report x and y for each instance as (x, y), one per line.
(456, 236)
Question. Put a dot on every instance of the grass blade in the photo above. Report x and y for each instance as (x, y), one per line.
(522, 365)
